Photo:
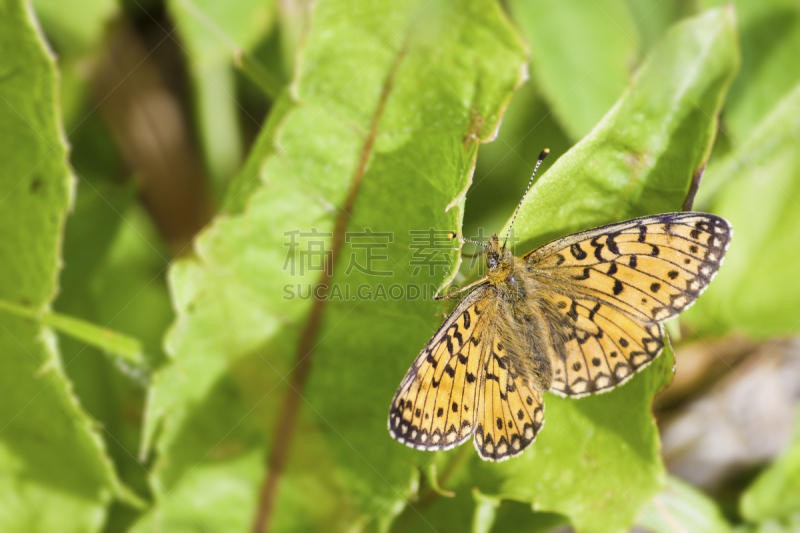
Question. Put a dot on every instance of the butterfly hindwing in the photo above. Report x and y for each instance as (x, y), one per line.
(437, 403)
(597, 347)
(511, 414)
(651, 268)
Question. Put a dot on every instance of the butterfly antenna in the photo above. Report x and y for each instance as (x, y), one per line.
(538, 162)
(453, 235)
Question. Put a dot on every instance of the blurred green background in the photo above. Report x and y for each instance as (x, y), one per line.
(156, 156)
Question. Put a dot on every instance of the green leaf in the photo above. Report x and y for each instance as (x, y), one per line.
(770, 40)
(581, 57)
(775, 494)
(485, 512)
(75, 27)
(469, 509)
(757, 188)
(653, 18)
(601, 452)
(55, 474)
(596, 462)
(127, 348)
(214, 34)
(390, 102)
(505, 164)
(515, 516)
(264, 148)
(232, 346)
(641, 157)
(680, 507)
(75, 30)
(115, 276)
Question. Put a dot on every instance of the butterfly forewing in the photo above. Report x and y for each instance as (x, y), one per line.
(437, 403)
(651, 268)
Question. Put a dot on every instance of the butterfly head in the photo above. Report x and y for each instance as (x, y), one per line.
(500, 266)
(501, 272)
(498, 258)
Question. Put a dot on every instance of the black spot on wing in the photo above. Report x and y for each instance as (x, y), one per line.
(654, 287)
(577, 252)
(598, 250)
(617, 287)
(583, 276)
(612, 243)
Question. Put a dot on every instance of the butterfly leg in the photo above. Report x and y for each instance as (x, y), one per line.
(472, 256)
(462, 289)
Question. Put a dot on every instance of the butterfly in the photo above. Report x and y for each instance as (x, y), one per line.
(576, 316)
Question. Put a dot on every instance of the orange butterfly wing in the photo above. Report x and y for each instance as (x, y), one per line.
(437, 403)
(511, 413)
(612, 286)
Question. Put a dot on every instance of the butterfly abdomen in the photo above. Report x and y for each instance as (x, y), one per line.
(526, 349)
